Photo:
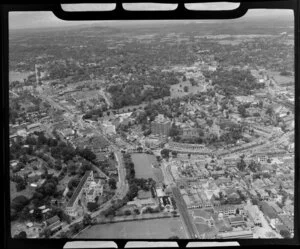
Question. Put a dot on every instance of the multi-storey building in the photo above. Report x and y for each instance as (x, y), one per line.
(87, 186)
(161, 126)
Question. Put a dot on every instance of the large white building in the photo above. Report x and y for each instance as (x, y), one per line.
(108, 127)
(87, 186)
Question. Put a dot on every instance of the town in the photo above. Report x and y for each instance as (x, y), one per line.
(138, 132)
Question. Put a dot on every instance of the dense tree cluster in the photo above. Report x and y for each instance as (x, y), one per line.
(235, 82)
(134, 92)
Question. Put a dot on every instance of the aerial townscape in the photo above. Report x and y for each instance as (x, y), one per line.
(171, 130)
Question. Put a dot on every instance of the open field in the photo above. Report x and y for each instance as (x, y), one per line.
(146, 229)
(143, 168)
(280, 79)
(13, 191)
(18, 76)
(177, 90)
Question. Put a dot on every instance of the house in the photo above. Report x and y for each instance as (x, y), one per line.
(53, 223)
(237, 221)
(150, 202)
(244, 234)
(166, 202)
(277, 209)
(34, 176)
(281, 227)
(269, 213)
(288, 222)
(160, 192)
(34, 127)
(227, 210)
(94, 189)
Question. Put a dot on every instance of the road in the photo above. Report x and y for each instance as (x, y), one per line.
(106, 98)
(190, 226)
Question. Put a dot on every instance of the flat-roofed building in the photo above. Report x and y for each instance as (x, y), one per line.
(236, 235)
(161, 126)
(237, 221)
(88, 186)
(34, 127)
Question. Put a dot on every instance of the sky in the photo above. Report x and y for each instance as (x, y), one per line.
(25, 20)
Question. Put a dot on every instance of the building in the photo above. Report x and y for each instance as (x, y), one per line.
(143, 203)
(231, 161)
(94, 189)
(227, 210)
(34, 176)
(190, 133)
(108, 127)
(160, 126)
(88, 186)
(288, 222)
(270, 214)
(153, 143)
(34, 127)
(236, 235)
(237, 221)
(53, 224)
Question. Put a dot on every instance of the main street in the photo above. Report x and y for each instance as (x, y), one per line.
(190, 226)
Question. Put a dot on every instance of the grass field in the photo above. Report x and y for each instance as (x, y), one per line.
(281, 79)
(13, 191)
(177, 90)
(143, 168)
(146, 229)
(19, 76)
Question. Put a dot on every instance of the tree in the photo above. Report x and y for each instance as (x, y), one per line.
(137, 211)
(73, 183)
(255, 202)
(174, 131)
(86, 166)
(285, 234)
(76, 228)
(19, 202)
(254, 167)
(127, 212)
(270, 111)
(71, 167)
(87, 220)
(21, 235)
(174, 153)
(165, 153)
(91, 206)
(21, 185)
(87, 154)
(242, 111)
(241, 165)
(70, 193)
(37, 215)
(57, 165)
(112, 183)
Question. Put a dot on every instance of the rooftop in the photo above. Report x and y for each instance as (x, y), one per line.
(78, 189)
(52, 220)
